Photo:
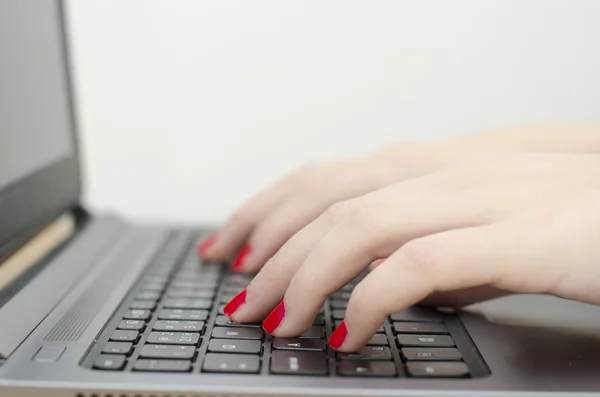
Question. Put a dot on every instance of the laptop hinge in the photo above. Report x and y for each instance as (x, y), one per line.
(37, 248)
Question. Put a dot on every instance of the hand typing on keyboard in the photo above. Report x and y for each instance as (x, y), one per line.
(455, 223)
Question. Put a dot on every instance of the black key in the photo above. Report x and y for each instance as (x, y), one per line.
(226, 298)
(425, 340)
(319, 320)
(137, 314)
(237, 333)
(456, 369)
(194, 284)
(368, 353)
(191, 293)
(179, 314)
(299, 344)
(124, 336)
(152, 286)
(222, 309)
(380, 330)
(338, 314)
(135, 325)
(219, 362)
(378, 340)
(149, 305)
(110, 362)
(163, 365)
(166, 351)
(234, 346)
(224, 321)
(417, 314)
(420, 328)
(298, 363)
(431, 354)
(316, 331)
(367, 368)
(347, 288)
(178, 325)
(232, 290)
(157, 279)
(183, 303)
(117, 347)
(339, 305)
(174, 338)
(342, 295)
(147, 295)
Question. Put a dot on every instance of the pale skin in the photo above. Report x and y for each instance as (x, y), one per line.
(458, 221)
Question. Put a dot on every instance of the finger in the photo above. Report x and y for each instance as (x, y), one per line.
(231, 237)
(363, 232)
(278, 227)
(446, 261)
(464, 297)
(267, 288)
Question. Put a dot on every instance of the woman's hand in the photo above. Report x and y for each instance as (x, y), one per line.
(269, 219)
(525, 223)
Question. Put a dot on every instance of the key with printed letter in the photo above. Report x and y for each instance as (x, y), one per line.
(124, 336)
(134, 325)
(117, 348)
(235, 346)
(244, 363)
(224, 321)
(368, 353)
(425, 340)
(237, 333)
(185, 303)
(110, 362)
(456, 369)
(299, 344)
(163, 365)
(180, 314)
(167, 351)
(431, 354)
(366, 368)
(174, 338)
(178, 325)
(298, 363)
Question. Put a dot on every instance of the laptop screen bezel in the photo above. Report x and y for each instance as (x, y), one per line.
(29, 204)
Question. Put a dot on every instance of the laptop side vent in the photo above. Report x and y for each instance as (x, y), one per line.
(74, 322)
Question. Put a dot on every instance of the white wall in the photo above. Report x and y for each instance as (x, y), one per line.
(188, 106)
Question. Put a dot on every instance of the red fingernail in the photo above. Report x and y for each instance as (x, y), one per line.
(378, 262)
(239, 260)
(338, 336)
(235, 303)
(206, 244)
(274, 319)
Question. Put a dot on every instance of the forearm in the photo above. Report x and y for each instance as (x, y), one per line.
(552, 138)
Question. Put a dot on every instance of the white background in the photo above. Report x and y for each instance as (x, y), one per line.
(187, 107)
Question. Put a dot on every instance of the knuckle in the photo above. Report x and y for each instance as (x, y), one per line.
(361, 212)
(338, 211)
(420, 258)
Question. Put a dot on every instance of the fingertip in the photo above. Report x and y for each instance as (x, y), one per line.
(338, 337)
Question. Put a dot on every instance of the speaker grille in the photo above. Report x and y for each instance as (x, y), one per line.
(73, 323)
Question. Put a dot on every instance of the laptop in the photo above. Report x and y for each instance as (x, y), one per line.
(92, 306)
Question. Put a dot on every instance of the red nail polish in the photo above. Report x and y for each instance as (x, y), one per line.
(206, 244)
(239, 260)
(274, 319)
(338, 336)
(378, 262)
(235, 303)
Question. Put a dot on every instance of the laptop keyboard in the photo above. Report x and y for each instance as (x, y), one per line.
(172, 321)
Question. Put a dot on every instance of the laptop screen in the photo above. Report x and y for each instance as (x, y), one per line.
(37, 148)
